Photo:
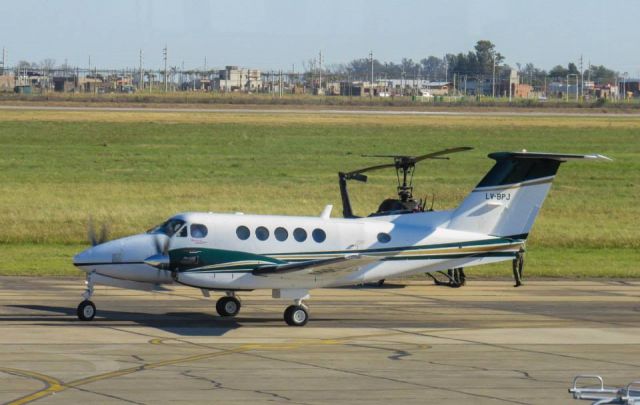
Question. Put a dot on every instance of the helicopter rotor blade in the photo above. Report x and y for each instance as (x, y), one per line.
(436, 155)
(412, 159)
(366, 169)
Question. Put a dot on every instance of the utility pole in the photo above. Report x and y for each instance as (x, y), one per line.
(493, 80)
(3, 60)
(371, 83)
(581, 78)
(141, 84)
(320, 73)
(164, 55)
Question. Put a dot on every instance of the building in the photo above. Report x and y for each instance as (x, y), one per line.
(629, 87)
(234, 78)
(7, 83)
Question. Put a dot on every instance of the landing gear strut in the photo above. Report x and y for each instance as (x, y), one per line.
(228, 305)
(454, 277)
(86, 309)
(518, 265)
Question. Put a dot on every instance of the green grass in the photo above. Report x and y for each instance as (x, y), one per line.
(133, 172)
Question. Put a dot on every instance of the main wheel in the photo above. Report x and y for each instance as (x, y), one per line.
(86, 310)
(296, 315)
(228, 306)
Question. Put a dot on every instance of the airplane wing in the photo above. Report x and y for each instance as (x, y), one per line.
(335, 267)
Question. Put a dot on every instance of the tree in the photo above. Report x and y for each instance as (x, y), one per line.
(487, 56)
(48, 64)
(558, 72)
(601, 74)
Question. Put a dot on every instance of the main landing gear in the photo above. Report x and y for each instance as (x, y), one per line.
(454, 277)
(87, 309)
(296, 315)
(518, 266)
(228, 305)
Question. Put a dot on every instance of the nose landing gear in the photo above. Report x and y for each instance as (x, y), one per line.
(86, 309)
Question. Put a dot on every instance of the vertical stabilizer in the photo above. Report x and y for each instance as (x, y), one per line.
(507, 200)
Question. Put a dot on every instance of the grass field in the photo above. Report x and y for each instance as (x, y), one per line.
(134, 169)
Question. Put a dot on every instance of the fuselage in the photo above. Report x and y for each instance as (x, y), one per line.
(221, 251)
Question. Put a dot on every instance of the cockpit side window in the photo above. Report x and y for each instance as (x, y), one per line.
(198, 231)
(168, 228)
(183, 232)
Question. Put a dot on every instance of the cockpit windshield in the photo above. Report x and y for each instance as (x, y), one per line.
(168, 228)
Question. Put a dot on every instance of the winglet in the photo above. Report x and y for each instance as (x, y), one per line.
(326, 212)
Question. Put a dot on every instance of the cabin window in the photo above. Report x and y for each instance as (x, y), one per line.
(300, 234)
(319, 235)
(183, 232)
(243, 232)
(262, 233)
(198, 231)
(281, 234)
(384, 237)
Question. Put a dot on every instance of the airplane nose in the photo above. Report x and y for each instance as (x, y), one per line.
(130, 250)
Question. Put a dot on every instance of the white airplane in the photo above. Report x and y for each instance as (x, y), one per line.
(291, 255)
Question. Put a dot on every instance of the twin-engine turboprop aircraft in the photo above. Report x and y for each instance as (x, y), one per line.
(292, 255)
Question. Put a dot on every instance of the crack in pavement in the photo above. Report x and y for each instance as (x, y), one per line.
(516, 349)
(391, 379)
(219, 385)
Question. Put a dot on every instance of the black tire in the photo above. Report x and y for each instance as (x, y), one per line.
(86, 310)
(296, 315)
(380, 282)
(228, 306)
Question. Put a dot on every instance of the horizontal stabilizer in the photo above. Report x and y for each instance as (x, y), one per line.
(553, 156)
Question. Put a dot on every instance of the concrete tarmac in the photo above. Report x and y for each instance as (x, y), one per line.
(485, 343)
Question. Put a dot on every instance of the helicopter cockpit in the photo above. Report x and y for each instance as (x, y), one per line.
(405, 168)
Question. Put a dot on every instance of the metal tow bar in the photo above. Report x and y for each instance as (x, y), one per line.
(600, 395)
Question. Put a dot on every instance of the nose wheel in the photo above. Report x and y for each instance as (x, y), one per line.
(87, 309)
(228, 306)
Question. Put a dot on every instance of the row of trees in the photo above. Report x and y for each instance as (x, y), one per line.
(479, 62)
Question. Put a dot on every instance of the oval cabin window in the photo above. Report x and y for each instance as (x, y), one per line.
(243, 232)
(281, 234)
(319, 235)
(262, 233)
(384, 237)
(300, 234)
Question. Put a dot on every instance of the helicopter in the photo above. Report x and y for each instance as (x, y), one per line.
(405, 167)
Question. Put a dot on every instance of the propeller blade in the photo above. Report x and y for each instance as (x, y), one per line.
(162, 246)
(91, 233)
(104, 234)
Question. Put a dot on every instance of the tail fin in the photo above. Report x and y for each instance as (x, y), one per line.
(507, 200)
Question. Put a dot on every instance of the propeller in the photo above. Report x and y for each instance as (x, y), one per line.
(160, 259)
(94, 237)
(402, 161)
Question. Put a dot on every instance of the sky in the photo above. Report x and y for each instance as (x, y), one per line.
(281, 34)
